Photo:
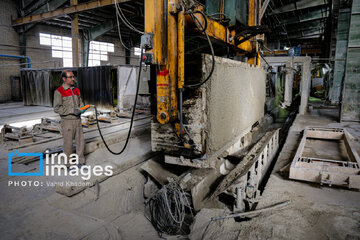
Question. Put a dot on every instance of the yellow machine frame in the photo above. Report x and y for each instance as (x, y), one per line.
(168, 48)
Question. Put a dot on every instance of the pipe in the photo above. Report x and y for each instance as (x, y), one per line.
(181, 63)
(181, 111)
(181, 49)
(21, 57)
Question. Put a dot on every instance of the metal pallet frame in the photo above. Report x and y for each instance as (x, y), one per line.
(327, 171)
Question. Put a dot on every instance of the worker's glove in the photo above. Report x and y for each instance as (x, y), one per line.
(78, 112)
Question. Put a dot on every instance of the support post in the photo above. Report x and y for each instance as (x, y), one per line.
(22, 41)
(75, 36)
(86, 47)
(127, 56)
(172, 60)
(289, 79)
(252, 22)
(305, 87)
(181, 49)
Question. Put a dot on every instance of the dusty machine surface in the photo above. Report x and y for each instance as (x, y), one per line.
(338, 166)
(213, 114)
(209, 120)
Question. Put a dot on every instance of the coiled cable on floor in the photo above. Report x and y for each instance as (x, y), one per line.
(132, 115)
(167, 209)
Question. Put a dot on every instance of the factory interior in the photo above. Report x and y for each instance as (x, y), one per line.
(180, 119)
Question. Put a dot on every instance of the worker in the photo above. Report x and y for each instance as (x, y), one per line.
(67, 103)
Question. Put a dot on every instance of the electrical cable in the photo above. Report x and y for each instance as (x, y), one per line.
(132, 115)
(124, 19)
(127, 23)
(119, 31)
(265, 60)
(203, 29)
(167, 209)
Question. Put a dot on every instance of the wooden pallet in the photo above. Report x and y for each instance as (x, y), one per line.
(327, 171)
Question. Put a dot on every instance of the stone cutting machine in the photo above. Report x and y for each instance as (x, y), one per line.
(169, 24)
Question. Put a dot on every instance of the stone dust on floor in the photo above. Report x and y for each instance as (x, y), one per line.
(315, 212)
(40, 213)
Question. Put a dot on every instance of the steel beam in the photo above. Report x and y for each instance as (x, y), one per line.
(263, 8)
(306, 33)
(95, 32)
(306, 27)
(302, 25)
(219, 32)
(312, 36)
(303, 51)
(298, 5)
(101, 29)
(27, 3)
(67, 23)
(310, 16)
(49, 6)
(31, 7)
(65, 11)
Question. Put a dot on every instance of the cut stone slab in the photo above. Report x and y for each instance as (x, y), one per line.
(158, 172)
(220, 112)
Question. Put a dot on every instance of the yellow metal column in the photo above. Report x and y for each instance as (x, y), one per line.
(172, 58)
(156, 24)
(75, 36)
(181, 49)
(252, 22)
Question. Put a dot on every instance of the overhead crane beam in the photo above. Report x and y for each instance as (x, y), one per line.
(64, 11)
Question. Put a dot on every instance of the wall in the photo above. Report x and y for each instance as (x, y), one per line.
(350, 108)
(340, 55)
(8, 36)
(118, 56)
(41, 53)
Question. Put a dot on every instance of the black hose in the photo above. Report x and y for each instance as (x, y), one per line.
(132, 115)
(203, 29)
(181, 112)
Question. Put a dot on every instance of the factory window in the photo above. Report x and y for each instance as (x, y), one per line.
(98, 51)
(61, 47)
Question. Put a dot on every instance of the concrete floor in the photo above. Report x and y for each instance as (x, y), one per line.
(315, 212)
(31, 212)
(38, 212)
(14, 114)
